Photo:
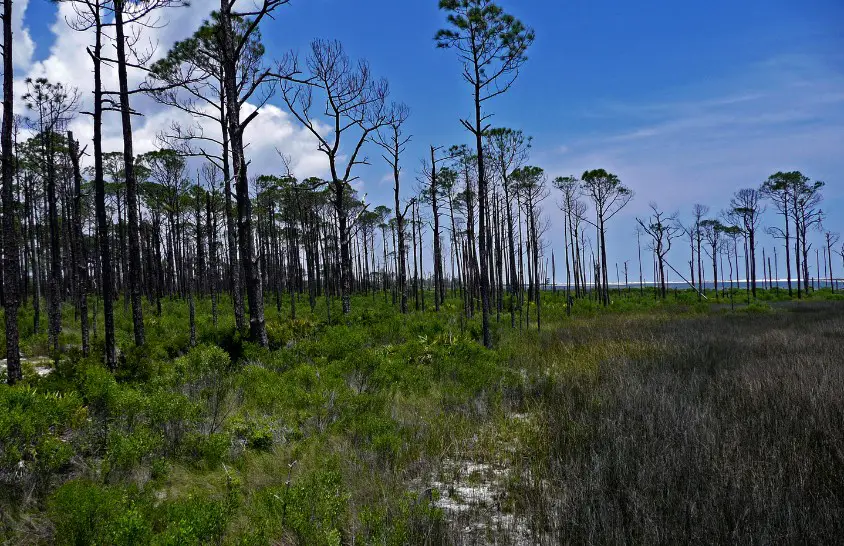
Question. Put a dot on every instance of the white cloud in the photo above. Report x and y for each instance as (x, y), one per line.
(67, 62)
(23, 47)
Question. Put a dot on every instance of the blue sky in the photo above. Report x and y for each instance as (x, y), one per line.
(685, 101)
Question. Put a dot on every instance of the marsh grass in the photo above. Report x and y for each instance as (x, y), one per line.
(721, 429)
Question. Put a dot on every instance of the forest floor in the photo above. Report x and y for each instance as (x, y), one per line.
(648, 422)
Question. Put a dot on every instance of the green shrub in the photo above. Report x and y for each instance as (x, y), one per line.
(337, 342)
(755, 307)
(140, 364)
(194, 521)
(208, 448)
(262, 389)
(282, 333)
(36, 344)
(202, 362)
(136, 425)
(88, 513)
(172, 414)
(370, 426)
(206, 376)
(253, 433)
(313, 509)
(127, 449)
(100, 390)
(34, 430)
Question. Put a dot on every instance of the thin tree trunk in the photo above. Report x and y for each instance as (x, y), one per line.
(82, 261)
(131, 181)
(107, 282)
(11, 270)
(482, 219)
(54, 278)
(439, 283)
(254, 290)
(231, 229)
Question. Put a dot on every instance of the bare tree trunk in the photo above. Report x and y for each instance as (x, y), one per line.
(192, 310)
(122, 273)
(605, 294)
(254, 290)
(805, 251)
(439, 283)
(11, 270)
(231, 230)
(54, 279)
(566, 237)
(797, 266)
(787, 249)
(211, 227)
(482, 219)
(29, 204)
(421, 261)
(535, 239)
(345, 255)
(131, 181)
(715, 269)
(752, 244)
(82, 261)
(107, 282)
(515, 282)
(829, 259)
(415, 262)
(699, 263)
(200, 269)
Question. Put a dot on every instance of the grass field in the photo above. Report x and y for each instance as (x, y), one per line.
(650, 422)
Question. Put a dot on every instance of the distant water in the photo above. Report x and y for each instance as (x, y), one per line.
(708, 285)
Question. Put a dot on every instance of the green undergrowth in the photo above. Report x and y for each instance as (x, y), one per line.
(327, 436)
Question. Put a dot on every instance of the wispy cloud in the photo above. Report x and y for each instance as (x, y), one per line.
(785, 113)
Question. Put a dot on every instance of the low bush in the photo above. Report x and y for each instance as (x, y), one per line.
(35, 436)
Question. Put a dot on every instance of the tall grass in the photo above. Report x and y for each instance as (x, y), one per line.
(724, 429)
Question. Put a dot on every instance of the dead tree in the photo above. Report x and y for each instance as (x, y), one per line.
(343, 95)
(392, 139)
(663, 229)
